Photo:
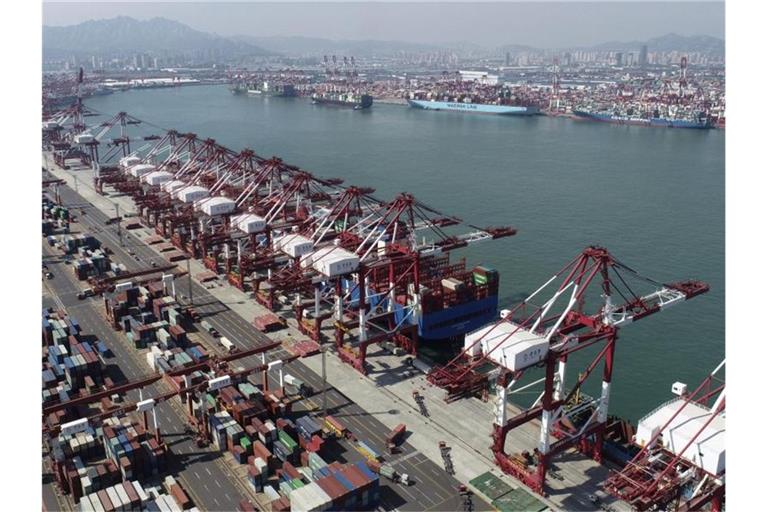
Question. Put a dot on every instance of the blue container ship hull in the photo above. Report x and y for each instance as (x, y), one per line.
(475, 108)
(439, 325)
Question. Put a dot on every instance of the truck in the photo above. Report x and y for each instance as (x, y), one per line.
(209, 328)
(387, 471)
(227, 344)
(88, 292)
(395, 437)
(296, 386)
(334, 427)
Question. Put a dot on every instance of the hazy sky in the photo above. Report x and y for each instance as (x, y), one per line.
(541, 24)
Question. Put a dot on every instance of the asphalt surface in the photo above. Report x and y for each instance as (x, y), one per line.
(434, 489)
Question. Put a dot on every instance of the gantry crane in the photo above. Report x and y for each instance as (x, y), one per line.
(386, 260)
(533, 335)
(681, 465)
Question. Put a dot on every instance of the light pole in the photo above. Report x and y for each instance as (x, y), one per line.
(117, 219)
(325, 383)
(189, 280)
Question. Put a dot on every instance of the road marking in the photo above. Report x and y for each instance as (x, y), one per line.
(208, 471)
(217, 484)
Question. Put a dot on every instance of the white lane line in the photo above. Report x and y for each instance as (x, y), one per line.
(217, 484)
(208, 471)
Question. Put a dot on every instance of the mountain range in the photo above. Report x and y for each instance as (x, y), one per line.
(126, 34)
(160, 35)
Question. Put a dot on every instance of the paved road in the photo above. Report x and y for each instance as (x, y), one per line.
(434, 489)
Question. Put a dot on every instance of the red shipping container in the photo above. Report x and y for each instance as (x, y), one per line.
(259, 450)
(290, 470)
(132, 494)
(334, 489)
(245, 506)
(180, 496)
(105, 501)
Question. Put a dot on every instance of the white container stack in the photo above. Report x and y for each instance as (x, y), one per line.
(311, 498)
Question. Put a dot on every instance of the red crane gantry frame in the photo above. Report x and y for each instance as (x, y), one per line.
(566, 332)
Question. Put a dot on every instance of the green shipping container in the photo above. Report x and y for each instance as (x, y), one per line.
(287, 441)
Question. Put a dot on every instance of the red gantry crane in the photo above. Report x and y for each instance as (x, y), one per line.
(545, 334)
(681, 465)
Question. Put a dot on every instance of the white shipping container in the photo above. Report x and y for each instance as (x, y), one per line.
(114, 498)
(452, 283)
(97, 503)
(172, 504)
(85, 505)
(123, 497)
(162, 504)
(309, 498)
(140, 491)
(271, 493)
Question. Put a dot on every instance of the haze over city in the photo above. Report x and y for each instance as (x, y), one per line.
(538, 24)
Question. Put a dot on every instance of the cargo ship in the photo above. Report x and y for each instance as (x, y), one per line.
(454, 300)
(344, 99)
(476, 108)
(272, 89)
(701, 121)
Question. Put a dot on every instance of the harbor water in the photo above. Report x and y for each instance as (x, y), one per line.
(655, 197)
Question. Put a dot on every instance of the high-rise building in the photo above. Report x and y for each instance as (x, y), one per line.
(508, 59)
(643, 56)
(619, 59)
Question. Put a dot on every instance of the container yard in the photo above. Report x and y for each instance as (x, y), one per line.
(250, 320)
(675, 97)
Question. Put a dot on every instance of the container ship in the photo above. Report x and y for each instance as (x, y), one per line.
(344, 99)
(272, 89)
(475, 108)
(699, 121)
(454, 300)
